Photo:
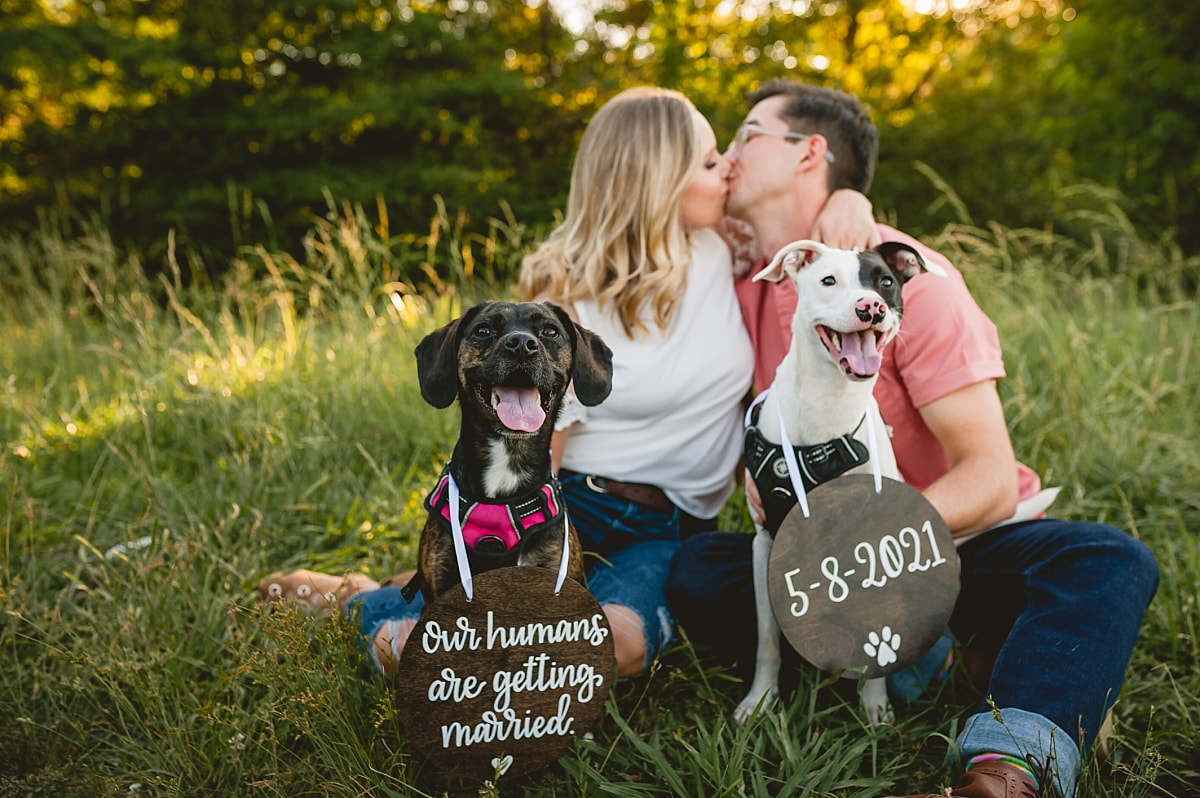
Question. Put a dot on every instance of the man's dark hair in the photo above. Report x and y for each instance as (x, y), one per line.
(836, 115)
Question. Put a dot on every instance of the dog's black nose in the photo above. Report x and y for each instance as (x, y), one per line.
(520, 343)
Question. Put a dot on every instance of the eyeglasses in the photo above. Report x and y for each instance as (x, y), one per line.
(743, 135)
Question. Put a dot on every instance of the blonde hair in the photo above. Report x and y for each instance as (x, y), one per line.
(623, 241)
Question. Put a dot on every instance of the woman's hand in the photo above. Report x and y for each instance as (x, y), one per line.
(742, 243)
(754, 501)
(846, 222)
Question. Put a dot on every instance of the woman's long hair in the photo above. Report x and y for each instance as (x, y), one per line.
(623, 241)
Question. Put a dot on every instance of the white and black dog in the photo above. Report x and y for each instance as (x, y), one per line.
(848, 310)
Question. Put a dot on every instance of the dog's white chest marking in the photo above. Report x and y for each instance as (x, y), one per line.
(501, 478)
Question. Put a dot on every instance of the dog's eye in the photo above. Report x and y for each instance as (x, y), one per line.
(483, 331)
(887, 281)
(829, 279)
(549, 331)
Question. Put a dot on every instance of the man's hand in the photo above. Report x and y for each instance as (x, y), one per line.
(846, 222)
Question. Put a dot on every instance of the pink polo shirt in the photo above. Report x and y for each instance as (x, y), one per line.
(946, 342)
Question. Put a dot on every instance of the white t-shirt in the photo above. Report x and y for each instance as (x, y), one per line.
(674, 417)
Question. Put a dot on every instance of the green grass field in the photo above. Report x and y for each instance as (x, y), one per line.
(167, 441)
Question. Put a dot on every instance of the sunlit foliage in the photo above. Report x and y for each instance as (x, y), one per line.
(229, 121)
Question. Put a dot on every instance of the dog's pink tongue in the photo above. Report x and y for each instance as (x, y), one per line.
(520, 409)
(859, 353)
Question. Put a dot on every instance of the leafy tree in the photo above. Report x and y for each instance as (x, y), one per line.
(980, 122)
(235, 122)
(1038, 97)
(234, 118)
(1133, 121)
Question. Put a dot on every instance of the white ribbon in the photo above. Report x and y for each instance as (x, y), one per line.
(793, 468)
(460, 545)
(566, 555)
(872, 452)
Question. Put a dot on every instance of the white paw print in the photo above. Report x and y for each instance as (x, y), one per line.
(882, 646)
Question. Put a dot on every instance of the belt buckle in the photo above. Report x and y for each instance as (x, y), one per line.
(590, 481)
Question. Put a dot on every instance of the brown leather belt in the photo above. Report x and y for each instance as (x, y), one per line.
(650, 496)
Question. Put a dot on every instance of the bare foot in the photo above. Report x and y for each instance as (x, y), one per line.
(312, 591)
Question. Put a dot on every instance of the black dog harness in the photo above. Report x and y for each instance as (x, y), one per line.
(492, 532)
(818, 464)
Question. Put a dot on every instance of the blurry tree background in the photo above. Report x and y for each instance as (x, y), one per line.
(230, 122)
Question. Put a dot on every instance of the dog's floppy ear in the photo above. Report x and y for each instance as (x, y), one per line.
(790, 259)
(437, 360)
(591, 370)
(906, 261)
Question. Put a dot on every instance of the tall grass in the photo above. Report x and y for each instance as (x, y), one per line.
(169, 439)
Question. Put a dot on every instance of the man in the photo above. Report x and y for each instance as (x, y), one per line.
(1058, 603)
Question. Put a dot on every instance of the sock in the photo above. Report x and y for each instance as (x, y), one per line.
(1007, 759)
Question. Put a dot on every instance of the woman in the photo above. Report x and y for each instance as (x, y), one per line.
(636, 260)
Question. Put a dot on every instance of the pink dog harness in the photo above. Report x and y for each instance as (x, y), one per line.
(503, 523)
(489, 535)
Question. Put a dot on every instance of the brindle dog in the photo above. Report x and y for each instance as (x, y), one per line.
(509, 365)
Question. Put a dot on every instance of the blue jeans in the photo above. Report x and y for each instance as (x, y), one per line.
(628, 550)
(1060, 601)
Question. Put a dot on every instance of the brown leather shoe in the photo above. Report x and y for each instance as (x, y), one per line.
(990, 780)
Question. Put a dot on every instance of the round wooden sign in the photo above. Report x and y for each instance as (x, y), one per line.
(868, 581)
(503, 683)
